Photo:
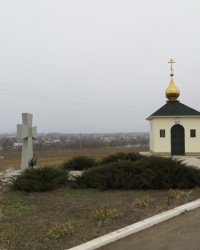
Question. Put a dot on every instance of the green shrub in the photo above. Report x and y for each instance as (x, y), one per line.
(79, 163)
(172, 173)
(146, 173)
(39, 180)
(121, 156)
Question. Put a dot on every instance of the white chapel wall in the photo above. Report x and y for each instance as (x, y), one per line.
(192, 144)
(151, 136)
(163, 144)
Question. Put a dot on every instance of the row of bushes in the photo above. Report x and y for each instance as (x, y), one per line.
(120, 171)
(84, 162)
(48, 178)
(149, 173)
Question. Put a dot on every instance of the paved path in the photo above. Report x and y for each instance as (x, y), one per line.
(179, 233)
(189, 160)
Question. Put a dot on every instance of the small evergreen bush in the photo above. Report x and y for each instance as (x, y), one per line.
(121, 156)
(79, 163)
(116, 175)
(146, 173)
(39, 180)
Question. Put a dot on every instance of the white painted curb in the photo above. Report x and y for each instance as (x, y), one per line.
(136, 227)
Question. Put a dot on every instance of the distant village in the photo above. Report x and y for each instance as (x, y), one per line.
(74, 141)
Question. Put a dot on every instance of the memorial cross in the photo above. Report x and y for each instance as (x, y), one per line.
(26, 133)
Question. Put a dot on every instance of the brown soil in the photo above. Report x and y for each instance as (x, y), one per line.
(65, 218)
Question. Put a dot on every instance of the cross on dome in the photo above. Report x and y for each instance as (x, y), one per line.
(171, 62)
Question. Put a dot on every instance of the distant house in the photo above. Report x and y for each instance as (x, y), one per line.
(56, 141)
(17, 145)
(47, 142)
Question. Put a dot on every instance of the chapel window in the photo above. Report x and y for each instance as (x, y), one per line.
(192, 132)
(162, 132)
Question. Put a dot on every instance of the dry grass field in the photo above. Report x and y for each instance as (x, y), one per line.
(66, 217)
(55, 157)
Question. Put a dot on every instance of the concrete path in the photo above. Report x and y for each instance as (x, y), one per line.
(179, 233)
(190, 160)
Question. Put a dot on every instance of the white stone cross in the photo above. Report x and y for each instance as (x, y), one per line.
(26, 133)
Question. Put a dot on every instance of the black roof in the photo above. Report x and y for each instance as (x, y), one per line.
(175, 109)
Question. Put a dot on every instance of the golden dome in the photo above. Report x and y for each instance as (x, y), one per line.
(172, 92)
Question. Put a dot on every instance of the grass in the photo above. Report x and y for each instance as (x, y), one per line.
(107, 214)
(60, 230)
(144, 201)
(19, 209)
(66, 217)
(177, 193)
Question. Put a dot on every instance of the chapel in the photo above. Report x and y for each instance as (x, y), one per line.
(175, 127)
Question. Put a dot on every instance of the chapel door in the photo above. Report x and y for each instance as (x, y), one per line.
(177, 140)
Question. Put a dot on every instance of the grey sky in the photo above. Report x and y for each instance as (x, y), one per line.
(95, 65)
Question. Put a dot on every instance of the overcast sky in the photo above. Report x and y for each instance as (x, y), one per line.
(86, 66)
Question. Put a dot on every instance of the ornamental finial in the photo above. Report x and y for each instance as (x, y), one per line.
(171, 62)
